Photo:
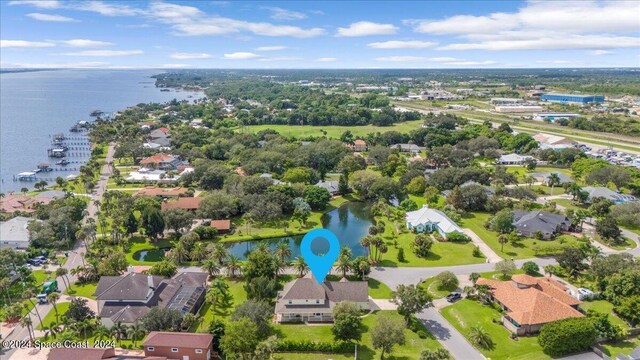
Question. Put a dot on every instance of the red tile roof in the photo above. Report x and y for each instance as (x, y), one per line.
(538, 301)
(12, 203)
(221, 224)
(156, 159)
(178, 339)
(158, 191)
(187, 203)
(359, 142)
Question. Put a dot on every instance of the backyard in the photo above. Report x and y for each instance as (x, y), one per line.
(468, 313)
(306, 131)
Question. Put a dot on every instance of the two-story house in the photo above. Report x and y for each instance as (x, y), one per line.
(178, 345)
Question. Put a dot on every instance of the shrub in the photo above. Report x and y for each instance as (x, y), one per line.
(340, 347)
(531, 268)
(456, 236)
(477, 252)
(447, 280)
(567, 336)
(401, 255)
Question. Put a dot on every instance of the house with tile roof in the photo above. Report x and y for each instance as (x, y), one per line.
(12, 203)
(128, 298)
(155, 191)
(531, 302)
(162, 161)
(358, 146)
(304, 300)
(185, 203)
(426, 219)
(529, 223)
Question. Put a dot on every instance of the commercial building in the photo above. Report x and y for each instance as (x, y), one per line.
(572, 98)
(548, 141)
(507, 101)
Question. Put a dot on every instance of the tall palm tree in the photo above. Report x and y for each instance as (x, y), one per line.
(134, 332)
(28, 295)
(549, 269)
(102, 332)
(5, 285)
(219, 290)
(553, 181)
(219, 252)
(502, 239)
(283, 250)
(180, 253)
(117, 330)
(62, 273)
(53, 299)
(211, 266)
(233, 265)
(344, 265)
(300, 266)
(199, 252)
(27, 323)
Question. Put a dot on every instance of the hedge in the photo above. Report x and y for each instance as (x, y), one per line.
(340, 347)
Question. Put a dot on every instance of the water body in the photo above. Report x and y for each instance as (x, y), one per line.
(349, 222)
(36, 105)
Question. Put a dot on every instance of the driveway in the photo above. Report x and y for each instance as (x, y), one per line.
(448, 336)
(491, 255)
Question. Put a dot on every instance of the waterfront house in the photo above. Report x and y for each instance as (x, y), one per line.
(603, 192)
(426, 219)
(128, 298)
(304, 300)
(332, 186)
(222, 226)
(178, 345)
(12, 203)
(531, 302)
(529, 223)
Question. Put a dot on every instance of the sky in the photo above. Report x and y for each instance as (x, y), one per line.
(327, 34)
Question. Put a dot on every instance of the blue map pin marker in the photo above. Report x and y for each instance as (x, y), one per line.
(320, 265)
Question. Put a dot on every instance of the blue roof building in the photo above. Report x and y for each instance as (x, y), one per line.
(572, 98)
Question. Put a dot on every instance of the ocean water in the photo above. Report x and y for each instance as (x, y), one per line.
(36, 105)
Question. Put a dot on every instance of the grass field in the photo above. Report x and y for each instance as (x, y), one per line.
(411, 349)
(335, 131)
(432, 286)
(467, 313)
(237, 296)
(50, 318)
(604, 307)
(622, 347)
(526, 248)
(84, 290)
(378, 290)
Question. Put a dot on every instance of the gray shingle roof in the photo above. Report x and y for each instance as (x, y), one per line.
(532, 221)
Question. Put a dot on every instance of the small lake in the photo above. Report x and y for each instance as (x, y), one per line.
(349, 223)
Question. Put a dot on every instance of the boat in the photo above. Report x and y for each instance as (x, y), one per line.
(165, 90)
(62, 162)
(27, 176)
(44, 167)
(95, 113)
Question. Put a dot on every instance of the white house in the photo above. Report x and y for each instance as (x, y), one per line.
(14, 233)
(513, 159)
(427, 220)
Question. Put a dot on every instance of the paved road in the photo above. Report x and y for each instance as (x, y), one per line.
(74, 260)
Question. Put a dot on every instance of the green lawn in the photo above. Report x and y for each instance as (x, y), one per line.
(335, 131)
(467, 313)
(140, 243)
(237, 296)
(441, 254)
(83, 290)
(432, 286)
(41, 276)
(604, 307)
(622, 347)
(410, 350)
(50, 318)
(379, 290)
(525, 249)
(496, 275)
(627, 244)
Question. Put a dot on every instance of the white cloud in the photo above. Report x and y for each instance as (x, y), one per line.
(397, 44)
(401, 58)
(471, 63)
(106, 9)
(241, 56)
(104, 53)
(175, 66)
(69, 65)
(327, 59)
(185, 56)
(281, 58)
(559, 42)
(50, 17)
(86, 43)
(366, 28)
(42, 4)
(278, 13)
(600, 52)
(440, 60)
(24, 44)
(556, 62)
(270, 48)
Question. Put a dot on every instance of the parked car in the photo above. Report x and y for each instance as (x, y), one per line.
(34, 262)
(454, 296)
(42, 259)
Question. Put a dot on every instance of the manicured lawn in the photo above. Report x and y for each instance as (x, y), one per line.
(335, 131)
(379, 290)
(525, 249)
(41, 276)
(627, 244)
(568, 204)
(468, 313)
(276, 229)
(83, 290)
(410, 350)
(623, 347)
(604, 307)
(237, 295)
(432, 286)
(139, 243)
(496, 275)
(441, 254)
(50, 318)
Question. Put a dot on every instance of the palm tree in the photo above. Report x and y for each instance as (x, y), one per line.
(62, 273)
(180, 252)
(53, 299)
(219, 252)
(365, 242)
(473, 277)
(300, 266)
(502, 239)
(479, 336)
(283, 251)
(344, 265)
(199, 252)
(5, 285)
(117, 330)
(549, 269)
(529, 180)
(233, 265)
(26, 322)
(102, 332)
(28, 295)
(134, 332)
(219, 290)
(211, 266)
(84, 326)
(553, 180)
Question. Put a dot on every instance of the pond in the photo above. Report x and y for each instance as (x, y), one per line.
(149, 255)
(350, 223)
